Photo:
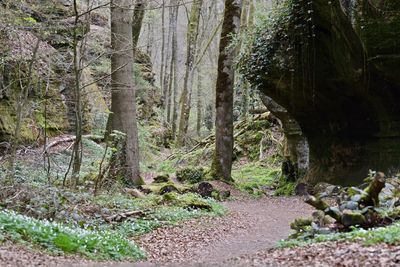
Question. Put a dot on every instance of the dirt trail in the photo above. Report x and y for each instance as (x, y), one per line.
(269, 222)
(252, 225)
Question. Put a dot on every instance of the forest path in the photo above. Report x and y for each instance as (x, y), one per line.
(251, 225)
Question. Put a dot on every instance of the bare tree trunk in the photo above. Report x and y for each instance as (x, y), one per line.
(222, 161)
(169, 95)
(150, 38)
(251, 13)
(123, 104)
(174, 66)
(77, 148)
(199, 104)
(162, 50)
(20, 112)
(244, 15)
(169, 66)
(166, 71)
(192, 34)
(137, 21)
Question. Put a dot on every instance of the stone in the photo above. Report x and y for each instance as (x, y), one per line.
(133, 192)
(344, 116)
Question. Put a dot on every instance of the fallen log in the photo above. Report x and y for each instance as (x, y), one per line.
(120, 217)
(66, 139)
(371, 196)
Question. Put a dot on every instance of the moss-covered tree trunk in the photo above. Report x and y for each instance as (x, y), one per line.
(185, 101)
(222, 161)
(174, 69)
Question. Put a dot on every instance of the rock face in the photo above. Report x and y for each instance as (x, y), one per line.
(296, 145)
(51, 97)
(336, 75)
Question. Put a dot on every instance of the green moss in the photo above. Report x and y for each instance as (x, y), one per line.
(39, 111)
(285, 189)
(379, 26)
(190, 175)
(254, 177)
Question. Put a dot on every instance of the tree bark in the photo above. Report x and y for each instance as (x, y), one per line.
(192, 34)
(123, 104)
(174, 67)
(199, 104)
(137, 21)
(162, 50)
(166, 68)
(222, 161)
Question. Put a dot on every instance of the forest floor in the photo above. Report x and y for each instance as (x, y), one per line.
(246, 236)
(250, 225)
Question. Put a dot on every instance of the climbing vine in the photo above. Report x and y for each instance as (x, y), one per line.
(281, 44)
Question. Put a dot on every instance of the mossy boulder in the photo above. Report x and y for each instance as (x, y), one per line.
(187, 201)
(163, 188)
(190, 175)
(162, 178)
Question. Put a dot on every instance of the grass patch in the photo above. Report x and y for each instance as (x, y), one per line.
(285, 189)
(389, 235)
(59, 238)
(253, 177)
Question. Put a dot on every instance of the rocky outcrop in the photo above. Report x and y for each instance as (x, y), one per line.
(335, 74)
(296, 151)
(51, 100)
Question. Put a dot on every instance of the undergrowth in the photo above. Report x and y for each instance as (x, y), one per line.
(59, 238)
(254, 178)
(389, 235)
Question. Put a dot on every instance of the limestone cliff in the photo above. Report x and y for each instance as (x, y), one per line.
(335, 73)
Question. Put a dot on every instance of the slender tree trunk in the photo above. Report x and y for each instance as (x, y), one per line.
(222, 161)
(123, 104)
(169, 95)
(137, 21)
(77, 148)
(150, 38)
(162, 50)
(192, 34)
(251, 13)
(174, 64)
(167, 68)
(199, 104)
(20, 112)
(170, 62)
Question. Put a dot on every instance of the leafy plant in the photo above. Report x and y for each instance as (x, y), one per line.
(57, 237)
